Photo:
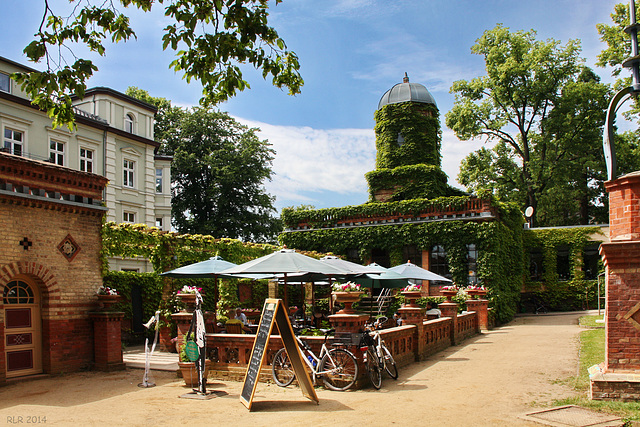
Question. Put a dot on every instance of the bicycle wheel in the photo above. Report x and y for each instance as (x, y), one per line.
(373, 368)
(281, 369)
(389, 363)
(339, 369)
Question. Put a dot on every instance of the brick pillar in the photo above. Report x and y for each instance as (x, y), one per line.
(183, 322)
(450, 309)
(481, 308)
(107, 340)
(348, 323)
(415, 316)
(621, 257)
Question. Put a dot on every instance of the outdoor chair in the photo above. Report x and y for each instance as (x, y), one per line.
(234, 328)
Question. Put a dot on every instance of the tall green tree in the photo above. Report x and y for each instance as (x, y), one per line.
(217, 174)
(212, 39)
(541, 108)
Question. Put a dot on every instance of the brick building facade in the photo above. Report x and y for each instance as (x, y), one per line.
(50, 223)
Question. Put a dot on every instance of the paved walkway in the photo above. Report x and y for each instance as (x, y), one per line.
(489, 380)
(135, 357)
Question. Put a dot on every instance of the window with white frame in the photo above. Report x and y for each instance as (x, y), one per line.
(129, 169)
(158, 180)
(128, 123)
(56, 152)
(86, 160)
(13, 141)
(159, 223)
(129, 217)
(5, 83)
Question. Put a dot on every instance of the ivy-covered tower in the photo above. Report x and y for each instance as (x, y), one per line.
(408, 140)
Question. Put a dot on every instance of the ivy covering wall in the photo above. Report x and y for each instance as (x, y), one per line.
(499, 243)
(418, 124)
(577, 293)
(319, 218)
(410, 182)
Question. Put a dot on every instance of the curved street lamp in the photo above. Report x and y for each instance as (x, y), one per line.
(633, 62)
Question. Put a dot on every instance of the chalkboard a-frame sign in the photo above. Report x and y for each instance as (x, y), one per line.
(274, 310)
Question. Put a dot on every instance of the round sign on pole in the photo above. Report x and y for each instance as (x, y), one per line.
(528, 212)
(191, 350)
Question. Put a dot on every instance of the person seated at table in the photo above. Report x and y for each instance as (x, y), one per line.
(433, 310)
(397, 318)
(242, 318)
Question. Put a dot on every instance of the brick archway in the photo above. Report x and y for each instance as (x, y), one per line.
(43, 277)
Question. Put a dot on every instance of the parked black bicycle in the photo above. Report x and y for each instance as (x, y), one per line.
(377, 357)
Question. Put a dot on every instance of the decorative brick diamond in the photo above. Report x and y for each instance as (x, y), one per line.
(69, 248)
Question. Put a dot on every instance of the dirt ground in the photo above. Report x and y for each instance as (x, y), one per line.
(489, 380)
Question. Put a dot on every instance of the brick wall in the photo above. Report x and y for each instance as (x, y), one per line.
(34, 225)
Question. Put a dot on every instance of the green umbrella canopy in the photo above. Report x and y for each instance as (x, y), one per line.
(412, 271)
(384, 279)
(209, 269)
(348, 267)
(284, 261)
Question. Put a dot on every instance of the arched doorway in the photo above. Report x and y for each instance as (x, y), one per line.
(22, 328)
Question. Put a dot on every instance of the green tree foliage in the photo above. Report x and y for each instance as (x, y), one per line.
(544, 111)
(212, 40)
(217, 173)
(217, 176)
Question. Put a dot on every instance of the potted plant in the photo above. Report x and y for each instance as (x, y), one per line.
(107, 297)
(187, 295)
(449, 291)
(412, 293)
(347, 294)
(476, 291)
(188, 367)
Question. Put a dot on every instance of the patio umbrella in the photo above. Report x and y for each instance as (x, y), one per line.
(209, 269)
(285, 261)
(384, 279)
(348, 267)
(412, 271)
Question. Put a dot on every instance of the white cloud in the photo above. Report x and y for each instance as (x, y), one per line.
(311, 165)
(312, 161)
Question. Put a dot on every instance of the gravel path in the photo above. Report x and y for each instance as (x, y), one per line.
(489, 380)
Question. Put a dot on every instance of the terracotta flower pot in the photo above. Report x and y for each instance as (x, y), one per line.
(107, 301)
(189, 300)
(411, 296)
(190, 374)
(347, 298)
(448, 293)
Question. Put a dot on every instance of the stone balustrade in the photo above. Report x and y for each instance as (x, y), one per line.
(230, 353)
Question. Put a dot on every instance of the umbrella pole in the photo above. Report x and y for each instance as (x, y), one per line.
(216, 296)
(313, 304)
(330, 298)
(286, 294)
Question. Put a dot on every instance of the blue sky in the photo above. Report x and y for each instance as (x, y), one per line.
(351, 52)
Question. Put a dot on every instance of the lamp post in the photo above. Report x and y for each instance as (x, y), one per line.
(633, 62)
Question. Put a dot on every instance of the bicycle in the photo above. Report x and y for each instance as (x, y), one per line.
(377, 356)
(337, 366)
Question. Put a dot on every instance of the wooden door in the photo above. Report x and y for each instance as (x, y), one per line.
(22, 332)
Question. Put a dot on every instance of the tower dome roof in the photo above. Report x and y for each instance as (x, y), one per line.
(405, 91)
